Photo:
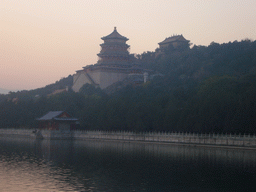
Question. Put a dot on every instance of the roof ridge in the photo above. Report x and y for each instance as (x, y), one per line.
(114, 35)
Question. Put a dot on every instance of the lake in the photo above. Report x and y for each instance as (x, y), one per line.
(64, 165)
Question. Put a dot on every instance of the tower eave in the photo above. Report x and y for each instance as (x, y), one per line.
(115, 35)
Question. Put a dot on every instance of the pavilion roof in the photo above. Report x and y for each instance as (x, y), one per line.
(114, 35)
(56, 115)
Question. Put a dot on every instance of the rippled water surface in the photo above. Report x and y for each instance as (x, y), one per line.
(28, 165)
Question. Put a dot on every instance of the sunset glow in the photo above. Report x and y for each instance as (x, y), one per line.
(43, 41)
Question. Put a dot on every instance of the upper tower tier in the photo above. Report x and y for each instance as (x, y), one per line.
(114, 51)
(114, 35)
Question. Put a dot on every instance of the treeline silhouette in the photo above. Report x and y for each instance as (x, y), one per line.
(204, 89)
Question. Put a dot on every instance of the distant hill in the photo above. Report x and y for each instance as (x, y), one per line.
(4, 91)
(44, 91)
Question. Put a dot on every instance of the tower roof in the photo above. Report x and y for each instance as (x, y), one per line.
(114, 35)
(173, 39)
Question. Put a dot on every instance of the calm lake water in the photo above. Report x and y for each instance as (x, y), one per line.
(28, 165)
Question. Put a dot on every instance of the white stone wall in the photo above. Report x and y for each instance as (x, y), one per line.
(102, 78)
(79, 80)
(108, 78)
(95, 75)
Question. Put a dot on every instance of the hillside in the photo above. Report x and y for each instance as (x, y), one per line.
(204, 89)
(40, 92)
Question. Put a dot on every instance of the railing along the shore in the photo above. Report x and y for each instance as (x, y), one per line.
(245, 140)
(172, 137)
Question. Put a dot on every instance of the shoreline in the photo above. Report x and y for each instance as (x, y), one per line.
(171, 143)
(244, 142)
(136, 141)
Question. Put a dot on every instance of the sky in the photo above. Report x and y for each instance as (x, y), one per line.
(42, 41)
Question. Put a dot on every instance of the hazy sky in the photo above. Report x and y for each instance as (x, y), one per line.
(44, 40)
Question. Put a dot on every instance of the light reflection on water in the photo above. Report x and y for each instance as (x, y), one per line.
(27, 165)
(24, 171)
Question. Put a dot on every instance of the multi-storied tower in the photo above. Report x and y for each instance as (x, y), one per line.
(114, 51)
(114, 64)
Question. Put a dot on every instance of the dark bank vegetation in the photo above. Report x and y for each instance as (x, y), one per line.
(204, 89)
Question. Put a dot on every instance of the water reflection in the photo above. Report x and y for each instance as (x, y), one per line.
(28, 165)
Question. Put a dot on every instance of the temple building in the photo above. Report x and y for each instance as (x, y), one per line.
(57, 120)
(174, 42)
(115, 64)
